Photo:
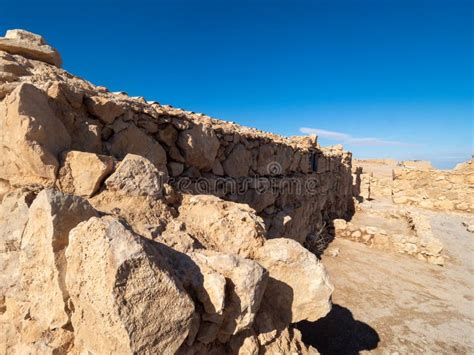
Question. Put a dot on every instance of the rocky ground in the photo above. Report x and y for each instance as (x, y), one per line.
(385, 302)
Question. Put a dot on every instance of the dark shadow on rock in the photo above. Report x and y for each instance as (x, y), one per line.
(339, 333)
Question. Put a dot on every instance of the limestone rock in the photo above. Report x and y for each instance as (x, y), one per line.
(67, 95)
(222, 225)
(13, 218)
(199, 145)
(146, 215)
(31, 137)
(288, 342)
(298, 287)
(103, 108)
(246, 282)
(29, 45)
(168, 135)
(43, 266)
(238, 162)
(125, 299)
(136, 176)
(82, 173)
(133, 140)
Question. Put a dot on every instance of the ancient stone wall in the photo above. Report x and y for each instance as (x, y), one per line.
(293, 183)
(449, 190)
(130, 227)
(416, 183)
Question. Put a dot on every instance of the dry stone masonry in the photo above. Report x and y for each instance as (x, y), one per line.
(127, 226)
(416, 183)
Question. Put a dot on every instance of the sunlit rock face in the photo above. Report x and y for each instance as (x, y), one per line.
(128, 226)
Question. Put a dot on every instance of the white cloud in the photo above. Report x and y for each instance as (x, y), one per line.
(348, 139)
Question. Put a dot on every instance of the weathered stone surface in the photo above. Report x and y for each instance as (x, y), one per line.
(13, 218)
(82, 173)
(31, 137)
(103, 108)
(186, 281)
(199, 145)
(246, 282)
(222, 225)
(43, 266)
(146, 215)
(238, 162)
(410, 233)
(295, 295)
(29, 45)
(133, 140)
(288, 342)
(168, 135)
(66, 94)
(125, 300)
(136, 176)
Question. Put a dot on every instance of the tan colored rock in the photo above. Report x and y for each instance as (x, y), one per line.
(29, 45)
(298, 287)
(31, 137)
(199, 145)
(238, 162)
(125, 299)
(43, 266)
(288, 342)
(245, 343)
(82, 173)
(168, 135)
(146, 215)
(136, 176)
(224, 226)
(134, 141)
(13, 68)
(104, 108)
(67, 95)
(4, 188)
(246, 282)
(13, 218)
(417, 164)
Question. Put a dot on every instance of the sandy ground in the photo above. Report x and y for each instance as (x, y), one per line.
(387, 303)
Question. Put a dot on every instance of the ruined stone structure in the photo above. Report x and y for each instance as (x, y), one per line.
(448, 190)
(127, 226)
(416, 183)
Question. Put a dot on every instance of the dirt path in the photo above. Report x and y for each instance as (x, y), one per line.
(389, 303)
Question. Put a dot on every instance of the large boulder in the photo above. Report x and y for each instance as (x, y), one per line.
(13, 218)
(43, 266)
(82, 173)
(246, 281)
(135, 141)
(224, 226)
(298, 286)
(238, 162)
(199, 145)
(29, 45)
(104, 108)
(136, 176)
(31, 137)
(125, 299)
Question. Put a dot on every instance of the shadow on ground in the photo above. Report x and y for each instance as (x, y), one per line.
(339, 333)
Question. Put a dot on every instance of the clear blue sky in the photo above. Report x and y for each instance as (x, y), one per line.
(387, 78)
